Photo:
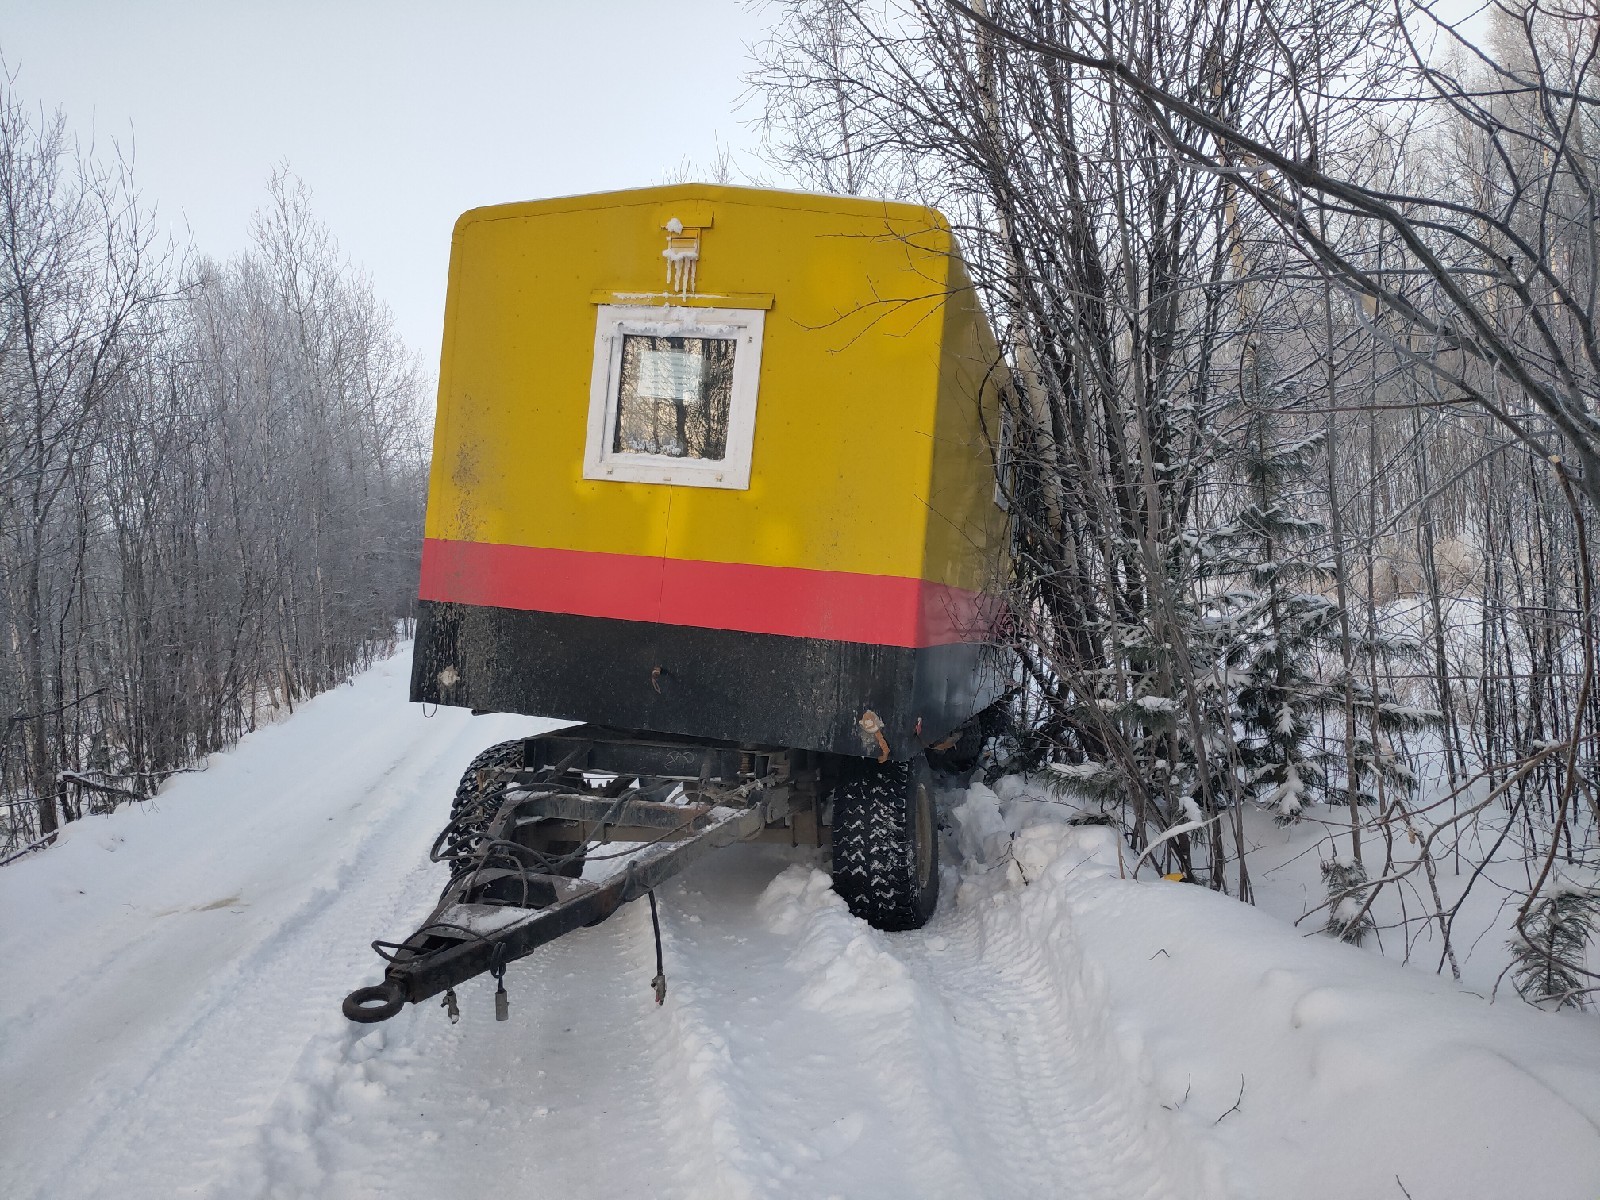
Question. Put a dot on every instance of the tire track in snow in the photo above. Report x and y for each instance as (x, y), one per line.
(973, 1058)
(231, 1007)
(800, 1045)
(1032, 1048)
(219, 1064)
(290, 988)
(559, 1100)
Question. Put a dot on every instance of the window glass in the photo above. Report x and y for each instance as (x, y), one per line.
(674, 396)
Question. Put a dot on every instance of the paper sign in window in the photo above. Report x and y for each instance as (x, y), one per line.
(670, 375)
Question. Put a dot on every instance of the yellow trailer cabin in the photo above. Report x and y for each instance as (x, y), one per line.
(715, 462)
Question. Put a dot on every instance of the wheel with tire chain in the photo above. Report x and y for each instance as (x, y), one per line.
(886, 842)
(476, 801)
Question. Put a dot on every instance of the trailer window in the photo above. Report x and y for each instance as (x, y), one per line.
(672, 396)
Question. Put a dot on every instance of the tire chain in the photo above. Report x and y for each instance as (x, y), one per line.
(873, 867)
(466, 825)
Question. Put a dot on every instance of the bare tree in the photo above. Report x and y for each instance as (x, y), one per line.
(1123, 286)
(211, 480)
(1496, 294)
(79, 277)
(1331, 234)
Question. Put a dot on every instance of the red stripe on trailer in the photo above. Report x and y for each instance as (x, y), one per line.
(879, 610)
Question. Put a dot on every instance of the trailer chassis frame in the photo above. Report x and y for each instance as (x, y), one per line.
(675, 800)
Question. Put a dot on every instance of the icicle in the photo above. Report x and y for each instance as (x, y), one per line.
(682, 255)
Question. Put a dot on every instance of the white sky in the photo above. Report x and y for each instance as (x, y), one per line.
(399, 115)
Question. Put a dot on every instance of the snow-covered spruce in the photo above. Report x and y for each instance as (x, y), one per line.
(1349, 913)
(1549, 957)
(1269, 561)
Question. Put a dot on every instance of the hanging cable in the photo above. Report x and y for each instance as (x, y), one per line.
(659, 983)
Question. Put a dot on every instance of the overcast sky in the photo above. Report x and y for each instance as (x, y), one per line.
(399, 115)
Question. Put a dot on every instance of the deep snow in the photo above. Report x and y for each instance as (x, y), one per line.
(169, 1024)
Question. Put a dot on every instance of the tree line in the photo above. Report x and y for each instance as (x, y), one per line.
(211, 479)
(1298, 307)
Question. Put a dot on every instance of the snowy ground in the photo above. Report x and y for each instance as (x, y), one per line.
(169, 1024)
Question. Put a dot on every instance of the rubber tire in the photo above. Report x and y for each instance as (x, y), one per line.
(502, 756)
(886, 842)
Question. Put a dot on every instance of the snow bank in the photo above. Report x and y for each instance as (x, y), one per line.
(1314, 1068)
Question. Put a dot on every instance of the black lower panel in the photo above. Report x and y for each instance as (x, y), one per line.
(752, 688)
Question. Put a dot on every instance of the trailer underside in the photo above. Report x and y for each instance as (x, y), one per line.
(749, 688)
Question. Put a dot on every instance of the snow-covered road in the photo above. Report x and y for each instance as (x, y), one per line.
(170, 1026)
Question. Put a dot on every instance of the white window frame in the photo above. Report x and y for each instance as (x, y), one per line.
(615, 321)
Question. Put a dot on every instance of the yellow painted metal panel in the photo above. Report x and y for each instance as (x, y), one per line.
(854, 409)
(762, 300)
(967, 530)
